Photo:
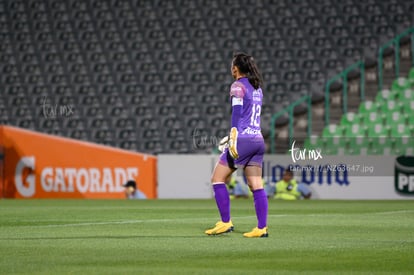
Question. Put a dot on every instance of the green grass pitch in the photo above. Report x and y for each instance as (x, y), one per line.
(167, 237)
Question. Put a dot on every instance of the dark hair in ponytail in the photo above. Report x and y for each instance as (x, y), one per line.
(247, 66)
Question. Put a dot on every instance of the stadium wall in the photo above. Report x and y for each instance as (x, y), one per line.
(35, 165)
(329, 177)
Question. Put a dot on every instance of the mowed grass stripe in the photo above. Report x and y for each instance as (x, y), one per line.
(166, 237)
(189, 220)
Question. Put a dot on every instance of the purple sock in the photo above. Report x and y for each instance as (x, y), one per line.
(260, 204)
(223, 201)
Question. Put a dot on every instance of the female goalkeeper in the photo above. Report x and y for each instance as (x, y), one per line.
(245, 148)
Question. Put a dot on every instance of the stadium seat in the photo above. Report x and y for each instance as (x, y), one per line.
(411, 76)
(174, 145)
(22, 111)
(409, 116)
(367, 107)
(93, 111)
(356, 144)
(386, 95)
(127, 134)
(407, 95)
(377, 130)
(174, 134)
(400, 84)
(90, 100)
(153, 134)
(372, 118)
(128, 145)
(403, 145)
(335, 145)
(355, 130)
(400, 130)
(395, 118)
(123, 123)
(144, 123)
(171, 122)
(28, 123)
(74, 123)
(390, 106)
(49, 123)
(379, 149)
(116, 111)
(333, 130)
(350, 118)
(143, 111)
(314, 142)
(98, 123)
(153, 146)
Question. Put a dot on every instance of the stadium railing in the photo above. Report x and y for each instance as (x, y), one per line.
(395, 42)
(290, 110)
(344, 76)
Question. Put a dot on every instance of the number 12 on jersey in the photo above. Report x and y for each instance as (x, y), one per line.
(255, 118)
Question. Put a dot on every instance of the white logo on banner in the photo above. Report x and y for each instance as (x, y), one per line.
(303, 154)
(26, 187)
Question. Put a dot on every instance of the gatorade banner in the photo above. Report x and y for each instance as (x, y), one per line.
(35, 165)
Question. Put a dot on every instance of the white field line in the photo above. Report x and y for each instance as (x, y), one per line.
(394, 212)
(138, 221)
(203, 219)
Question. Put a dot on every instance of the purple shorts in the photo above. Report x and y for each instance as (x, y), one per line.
(251, 151)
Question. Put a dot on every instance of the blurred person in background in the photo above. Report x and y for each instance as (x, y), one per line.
(132, 192)
(238, 189)
(289, 189)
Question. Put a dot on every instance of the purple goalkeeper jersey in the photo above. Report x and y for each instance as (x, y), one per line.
(250, 143)
(243, 93)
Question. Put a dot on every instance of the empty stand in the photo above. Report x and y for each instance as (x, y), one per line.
(382, 126)
(142, 75)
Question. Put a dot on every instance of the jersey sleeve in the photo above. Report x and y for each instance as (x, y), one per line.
(237, 89)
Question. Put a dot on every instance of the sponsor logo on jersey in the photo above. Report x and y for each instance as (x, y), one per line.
(250, 131)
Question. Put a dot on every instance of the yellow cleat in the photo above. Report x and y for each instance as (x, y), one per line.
(220, 228)
(257, 233)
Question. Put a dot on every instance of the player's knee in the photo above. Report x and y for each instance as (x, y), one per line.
(255, 185)
(215, 179)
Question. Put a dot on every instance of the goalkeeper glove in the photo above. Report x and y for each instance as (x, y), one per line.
(223, 144)
(233, 143)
